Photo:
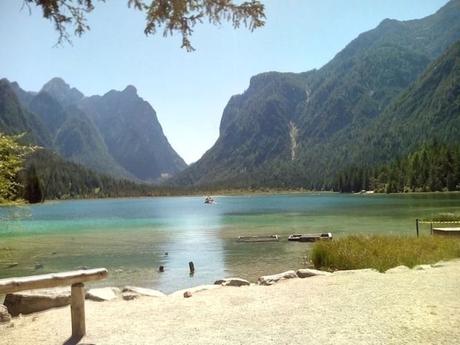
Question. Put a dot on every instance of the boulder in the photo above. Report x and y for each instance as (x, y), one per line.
(398, 269)
(231, 282)
(275, 278)
(103, 294)
(26, 302)
(129, 296)
(308, 272)
(422, 267)
(4, 315)
(187, 294)
(142, 291)
(195, 289)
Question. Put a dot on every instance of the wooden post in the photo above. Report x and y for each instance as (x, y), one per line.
(192, 267)
(416, 226)
(77, 309)
(431, 228)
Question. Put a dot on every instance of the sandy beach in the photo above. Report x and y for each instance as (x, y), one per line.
(350, 307)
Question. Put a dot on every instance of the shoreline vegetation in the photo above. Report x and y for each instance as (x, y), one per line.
(382, 252)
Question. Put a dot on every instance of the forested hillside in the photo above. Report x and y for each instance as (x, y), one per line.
(432, 168)
(47, 176)
(300, 130)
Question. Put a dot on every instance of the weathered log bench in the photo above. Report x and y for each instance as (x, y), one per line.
(73, 278)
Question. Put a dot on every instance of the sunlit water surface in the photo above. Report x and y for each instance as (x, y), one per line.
(131, 237)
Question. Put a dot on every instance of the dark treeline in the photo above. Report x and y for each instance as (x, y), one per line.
(46, 176)
(434, 167)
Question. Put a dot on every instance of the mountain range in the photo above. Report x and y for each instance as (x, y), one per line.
(386, 96)
(386, 93)
(117, 134)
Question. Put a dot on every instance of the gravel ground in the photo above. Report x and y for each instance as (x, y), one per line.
(358, 307)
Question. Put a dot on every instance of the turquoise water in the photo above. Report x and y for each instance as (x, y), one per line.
(132, 236)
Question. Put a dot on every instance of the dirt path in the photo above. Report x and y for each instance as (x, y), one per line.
(410, 307)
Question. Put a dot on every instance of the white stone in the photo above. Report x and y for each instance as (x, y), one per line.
(231, 282)
(196, 289)
(422, 267)
(398, 269)
(103, 294)
(143, 291)
(309, 272)
(31, 301)
(4, 315)
(272, 279)
(129, 296)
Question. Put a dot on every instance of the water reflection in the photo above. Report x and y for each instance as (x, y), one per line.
(131, 236)
(195, 238)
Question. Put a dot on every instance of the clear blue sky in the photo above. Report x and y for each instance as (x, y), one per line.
(188, 90)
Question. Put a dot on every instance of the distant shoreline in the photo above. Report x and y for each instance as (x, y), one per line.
(225, 193)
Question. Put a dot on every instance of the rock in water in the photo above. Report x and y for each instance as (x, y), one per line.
(4, 315)
(103, 294)
(31, 301)
(308, 272)
(272, 279)
(231, 282)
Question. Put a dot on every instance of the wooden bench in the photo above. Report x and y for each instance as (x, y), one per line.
(73, 278)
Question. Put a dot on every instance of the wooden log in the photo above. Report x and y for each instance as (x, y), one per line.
(51, 280)
(77, 310)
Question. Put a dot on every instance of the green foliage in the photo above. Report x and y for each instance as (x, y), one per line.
(47, 176)
(12, 155)
(382, 252)
(432, 168)
(175, 16)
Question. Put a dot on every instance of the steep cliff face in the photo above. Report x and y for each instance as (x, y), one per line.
(133, 135)
(116, 134)
(14, 119)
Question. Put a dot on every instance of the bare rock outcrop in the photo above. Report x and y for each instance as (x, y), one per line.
(103, 294)
(309, 272)
(231, 282)
(132, 292)
(4, 315)
(275, 278)
(31, 301)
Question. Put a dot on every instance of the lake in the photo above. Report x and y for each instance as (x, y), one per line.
(133, 237)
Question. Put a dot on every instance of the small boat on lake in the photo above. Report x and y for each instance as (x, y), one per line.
(263, 238)
(310, 237)
(209, 200)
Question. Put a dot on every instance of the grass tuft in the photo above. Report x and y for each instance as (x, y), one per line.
(382, 252)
